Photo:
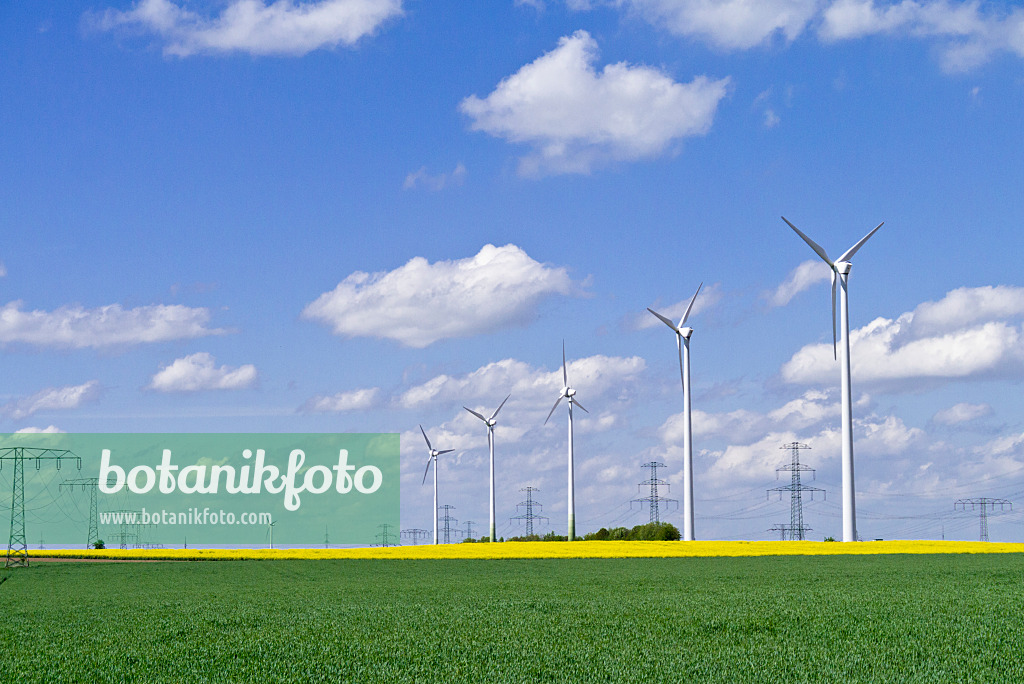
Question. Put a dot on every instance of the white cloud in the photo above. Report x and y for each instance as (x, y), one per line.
(51, 430)
(959, 336)
(592, 376)
(422, 179)
(355, 400)
(575, 117)
(707, 299)
(53, 398)
(420, 303)
(961, 413)
(730, 24)
(799, 279)
(283, 27)
(198, 372)
(75, 327)
(972, 31)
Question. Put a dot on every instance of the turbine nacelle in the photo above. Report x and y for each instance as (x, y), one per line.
(684, 332)
(843, 267)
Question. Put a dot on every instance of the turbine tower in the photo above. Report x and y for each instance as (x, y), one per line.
(683, 342)
(432, 457)
(841, 268)
(490, 423)
(570, 394)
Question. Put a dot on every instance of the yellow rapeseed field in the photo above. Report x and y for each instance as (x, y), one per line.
(579, 549)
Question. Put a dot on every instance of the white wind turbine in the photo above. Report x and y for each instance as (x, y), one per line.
(841, 267)
(570, 394)
(490, 423)
(432, 457)
(683, 342)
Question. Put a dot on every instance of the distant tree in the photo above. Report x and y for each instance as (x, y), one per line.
(830, 538)
(600, 535)
(99, 544)
(469, 540)
(654, 532)
(551, 536)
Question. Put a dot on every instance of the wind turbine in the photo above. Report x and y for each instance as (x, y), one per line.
(841, 268)
(570, 394)
(490, 423)
(683, 342)
(433, 454)
(270, 532)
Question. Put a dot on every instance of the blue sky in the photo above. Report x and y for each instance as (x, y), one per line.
(361, 215)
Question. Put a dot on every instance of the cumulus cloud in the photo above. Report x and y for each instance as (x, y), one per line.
(707, 299)
(593, 376)
(964, 335)
(436, 183)
(961, 413)
(53, 398)
(198, 372)
(972, 31)
(75, 327)
(355, 400)
(51, 430)
(729, 24)
(742, 463)
(575, 117)
(283, 27)
(420, 303)
(799, 279)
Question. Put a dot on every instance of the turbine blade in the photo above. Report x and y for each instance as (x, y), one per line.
(495, 414)
(559, 401)
(445, 451)
(835, 354)
(565, 374)
(664, 320)
(427, 470)
(811, 243)
(425, 437)
(573, 400)
(688, 308)
(848, 254)
(475, 413)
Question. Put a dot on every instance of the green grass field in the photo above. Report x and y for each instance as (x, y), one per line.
(955, 618)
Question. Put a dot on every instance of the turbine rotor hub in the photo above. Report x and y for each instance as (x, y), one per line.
(686, 332)
(843, 267)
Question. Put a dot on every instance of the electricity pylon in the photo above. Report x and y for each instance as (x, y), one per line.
(92, 484)
(386, 538)
(17, 547)
(983, 502)
(448, 521)
(529, 516)
(653, 499)
(796, 489)
(416, 534)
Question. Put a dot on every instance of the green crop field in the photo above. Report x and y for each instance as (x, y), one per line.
(955, 618)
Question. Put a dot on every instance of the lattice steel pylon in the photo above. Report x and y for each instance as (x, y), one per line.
(797, 530)
(984, 502)
(415, 533)
(654, 499)
(529, 516)
(448, 520)
(92, 484)
(17, 546)
(386, 537)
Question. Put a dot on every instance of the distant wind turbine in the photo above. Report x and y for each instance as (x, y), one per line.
(433, 454)
(841, 267)
(490, 423)
(683, 342)
(570, 394)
